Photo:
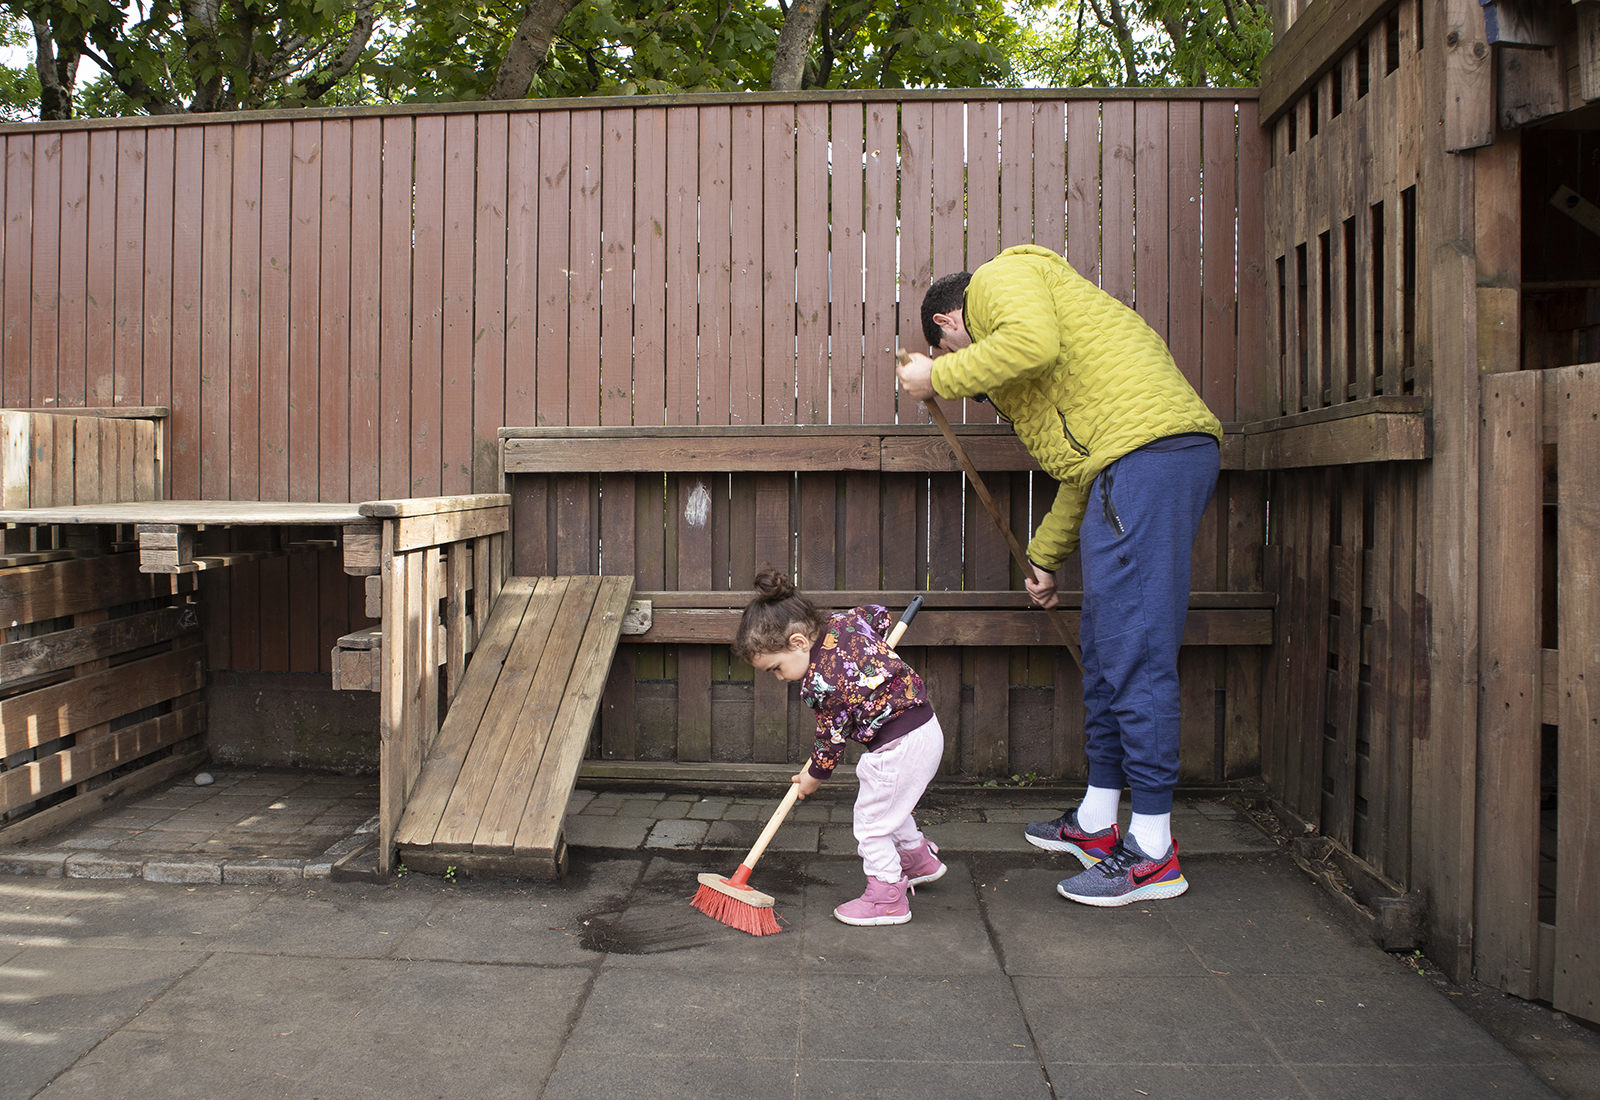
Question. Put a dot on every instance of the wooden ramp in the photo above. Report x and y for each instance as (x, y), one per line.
(493, 791)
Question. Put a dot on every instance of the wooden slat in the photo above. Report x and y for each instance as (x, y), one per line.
(427, 256)
(461, 328)
(715, 400)
(394, 310)
(524, 187)
(58, 771)
(61, 649)
(1577, 969)
(680, 229)
(745, 264)
(1506, 910)
(39, 717)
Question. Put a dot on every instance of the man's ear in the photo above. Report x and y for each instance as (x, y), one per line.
(945, 320)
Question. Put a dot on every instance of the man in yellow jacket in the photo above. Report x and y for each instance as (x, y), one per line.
(1095, 396)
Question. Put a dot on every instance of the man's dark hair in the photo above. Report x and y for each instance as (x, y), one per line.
(947, 294)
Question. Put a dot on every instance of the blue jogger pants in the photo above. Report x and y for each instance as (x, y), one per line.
(1136, 542)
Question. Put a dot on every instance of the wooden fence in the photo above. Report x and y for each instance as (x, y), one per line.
(347, 305)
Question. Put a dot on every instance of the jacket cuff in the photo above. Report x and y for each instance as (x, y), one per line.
(816, 772)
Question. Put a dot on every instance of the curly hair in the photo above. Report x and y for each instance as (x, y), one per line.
(778, 611)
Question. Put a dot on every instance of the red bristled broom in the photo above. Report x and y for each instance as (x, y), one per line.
(733, 901)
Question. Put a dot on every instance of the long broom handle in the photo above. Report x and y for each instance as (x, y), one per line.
(772, 826)
(937, 414)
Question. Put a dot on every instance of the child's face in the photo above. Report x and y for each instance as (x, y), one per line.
(788, 664)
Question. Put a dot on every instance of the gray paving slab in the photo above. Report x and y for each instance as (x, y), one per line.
(358, 920)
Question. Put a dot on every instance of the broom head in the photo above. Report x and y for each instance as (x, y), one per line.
(736, 905)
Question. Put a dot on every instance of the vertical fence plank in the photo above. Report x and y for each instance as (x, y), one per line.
(1254, 398)
(1184, 275)
(583, 399)
(745, 333)
(778, 384)
(1016, 173)
(101, 297)
(524, 185)
(879, 280)
(1083, 188)
(272, 316)
(1151, 213)
(550, 318)
(487, 319)
(682, 230)
(72, 313)
(304, 262)
(1510, 510)
(1118, 190)
(1577, 986)
(427, 309)
(334, 426)
(715, 255)
(1050, 176)
(45, 281)
(916, 228)
(367, 288)
(1219, 278)
(1343, 702)
(848, 359)
(458, 328)
(128, 340)
(948, 152)
(616, 269)
(394, 322)
(650, 264)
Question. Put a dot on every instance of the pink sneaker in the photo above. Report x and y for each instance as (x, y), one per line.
(921, 864)
(882, 903)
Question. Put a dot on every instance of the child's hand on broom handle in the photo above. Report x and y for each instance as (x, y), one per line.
(807, 782)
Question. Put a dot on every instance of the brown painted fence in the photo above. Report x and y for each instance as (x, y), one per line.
(348, 305)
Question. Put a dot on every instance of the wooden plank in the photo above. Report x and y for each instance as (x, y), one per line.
(1083, 188)
(87, 804)
(879, 191)
(1511, 503)
(771, 696)
(329, 303)
(525, 185)
(490, 282)
(38, 779)
(1220, 271)
(465, 720)
(395, 310)
(71, 385)
(463, 810)
(426, 378)
(849, 359)
(616, 266)
(715, 256)
(1577, 969)
(916, 228)
(38, 592)
(100, 285)
(1184, 275)
(1586, 44)
(540, 828)
(44, 653)
(1305, 50)
(1343, 708)
(273, 319)
(1530, 85)
(963, 599)
(46, 268)
(583, 320)
(417, 532)
(681, 230)
(1049, 177)
(688, 455)
(39, 717)
(1373, 437)
(778, 244)
(745, 192)
(1469, 115)
(461, 329)
(514, 779)
(366, 333)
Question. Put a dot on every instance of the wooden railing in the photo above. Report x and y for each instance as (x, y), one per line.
(435, 566)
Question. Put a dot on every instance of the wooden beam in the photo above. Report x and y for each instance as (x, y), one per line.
(432, 506)
(65, 648)
(1587, 47)
(1468, 78)
(1520, 23)
(1375, 437)
(969, 628)
(98, 800)
(971, 599)
(1533, 86)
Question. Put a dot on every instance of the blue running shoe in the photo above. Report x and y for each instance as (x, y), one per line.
(1128, 874)
(1063, 835)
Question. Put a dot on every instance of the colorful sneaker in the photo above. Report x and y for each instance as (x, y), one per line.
(882, 903)
(1063, 835)
(1127, 874)
(921, 864)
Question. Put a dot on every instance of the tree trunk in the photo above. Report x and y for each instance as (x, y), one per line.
(528, 47)
(794, 45)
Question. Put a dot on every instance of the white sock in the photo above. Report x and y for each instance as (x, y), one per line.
(1098, 810)
(1152, 832)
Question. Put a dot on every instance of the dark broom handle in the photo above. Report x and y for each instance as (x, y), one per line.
(937, 414)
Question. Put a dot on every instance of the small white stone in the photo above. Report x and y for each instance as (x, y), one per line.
(204, 779)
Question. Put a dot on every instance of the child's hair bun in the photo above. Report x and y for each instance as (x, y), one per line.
(772, 584)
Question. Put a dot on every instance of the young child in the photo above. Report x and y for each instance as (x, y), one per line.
(862, 691)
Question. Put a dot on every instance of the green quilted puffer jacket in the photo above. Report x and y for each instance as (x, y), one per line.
(1080, 375)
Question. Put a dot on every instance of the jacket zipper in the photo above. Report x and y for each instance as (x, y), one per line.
(1113, 520)
(1072, 439)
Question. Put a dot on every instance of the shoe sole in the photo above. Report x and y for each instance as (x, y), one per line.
(1062, 846)
(1141, 893)
(934, 877)
(871, 922)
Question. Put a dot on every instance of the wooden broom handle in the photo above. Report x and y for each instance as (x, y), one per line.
(772, 826)
(938, 417)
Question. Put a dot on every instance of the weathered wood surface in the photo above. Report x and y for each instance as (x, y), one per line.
(497, 779)
(220, 513)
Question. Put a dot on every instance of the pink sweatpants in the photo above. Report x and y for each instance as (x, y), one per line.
(892, 779)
